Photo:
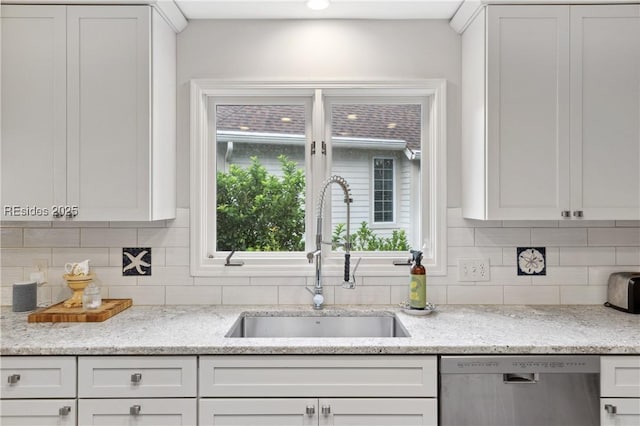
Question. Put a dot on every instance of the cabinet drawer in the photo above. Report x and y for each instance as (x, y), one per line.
(38, 377)
(318, 376)
(128, 412)
(51, 412)
(620, 376)
(137, 376)
(619, 411)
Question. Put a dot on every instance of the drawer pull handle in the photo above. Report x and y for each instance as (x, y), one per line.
(64, 411)
(565, 213)
(136, 378)
(311, 410)
(134, 410)
(326, 410)
(13, 379)
(578, 213)
(611, 409)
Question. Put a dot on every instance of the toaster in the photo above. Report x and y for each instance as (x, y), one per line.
(623, 292)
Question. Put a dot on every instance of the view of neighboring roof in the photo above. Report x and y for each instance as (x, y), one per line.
(371, 121)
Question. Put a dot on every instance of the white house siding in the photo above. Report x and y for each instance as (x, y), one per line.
(267, 154)
(355, 166)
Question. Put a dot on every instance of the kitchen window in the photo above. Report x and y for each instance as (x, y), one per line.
(261, 153)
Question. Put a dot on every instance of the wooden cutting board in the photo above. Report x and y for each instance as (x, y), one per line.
(58, 313)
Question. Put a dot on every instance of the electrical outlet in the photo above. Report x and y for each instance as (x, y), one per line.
(474, 270)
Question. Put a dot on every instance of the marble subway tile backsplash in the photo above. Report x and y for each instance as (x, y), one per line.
(580, 255)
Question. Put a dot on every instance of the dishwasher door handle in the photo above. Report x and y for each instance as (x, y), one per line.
(520, 378)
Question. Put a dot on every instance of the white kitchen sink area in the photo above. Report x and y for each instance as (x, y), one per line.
(305, 324)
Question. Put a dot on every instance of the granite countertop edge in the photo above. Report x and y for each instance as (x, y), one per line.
(452, 329)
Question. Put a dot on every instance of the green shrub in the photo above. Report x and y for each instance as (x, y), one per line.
(258, 211)
(364, 239)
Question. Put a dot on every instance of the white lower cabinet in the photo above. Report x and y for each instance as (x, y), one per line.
(329, 390)
(620, 390)
(38, 390)
(137, 390)
(138, 412)
(46, 412)
(318, 412)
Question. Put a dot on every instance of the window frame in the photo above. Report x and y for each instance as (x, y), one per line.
(202, 164)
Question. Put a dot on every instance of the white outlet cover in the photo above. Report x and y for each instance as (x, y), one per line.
(474, 270)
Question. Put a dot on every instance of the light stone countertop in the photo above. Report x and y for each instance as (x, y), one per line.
(452, 329)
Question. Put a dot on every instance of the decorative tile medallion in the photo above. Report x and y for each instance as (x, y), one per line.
(532, 261)
(136, 261)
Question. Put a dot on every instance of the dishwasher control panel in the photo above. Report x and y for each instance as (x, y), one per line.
(520, 363)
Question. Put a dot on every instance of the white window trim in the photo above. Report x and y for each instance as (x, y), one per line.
(372, 221)
(284, 264)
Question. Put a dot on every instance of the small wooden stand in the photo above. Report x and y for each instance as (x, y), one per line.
(77, 283)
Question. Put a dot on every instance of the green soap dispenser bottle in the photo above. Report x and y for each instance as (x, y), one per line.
(418, 286)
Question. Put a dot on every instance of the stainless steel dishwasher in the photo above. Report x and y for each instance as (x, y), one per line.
(541, 390)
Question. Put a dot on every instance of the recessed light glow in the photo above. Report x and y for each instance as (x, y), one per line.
(244, 128)
(318, 4)
(352, 117)
(285, 120)
(391, 126)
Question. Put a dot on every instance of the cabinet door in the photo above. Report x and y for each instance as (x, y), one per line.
(50, 412)
(527, 112)
(33, 108)
(619, 412)
(259, 412)
(109, 112)
(138, 412)
(605, 116)
(378, 412)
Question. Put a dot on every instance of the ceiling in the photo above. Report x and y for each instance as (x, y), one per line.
(339, 9)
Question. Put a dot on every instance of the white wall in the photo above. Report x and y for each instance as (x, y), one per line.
(580, 255)
(319, 50)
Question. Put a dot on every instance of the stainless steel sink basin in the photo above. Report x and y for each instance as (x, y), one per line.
(303, 324)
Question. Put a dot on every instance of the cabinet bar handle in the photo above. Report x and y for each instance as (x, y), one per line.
(13, 379)
(64, 411)
(565, 213)
(311, 410)
(578, 213)
(611, 409)
(136, 378)
(326, 410)
(134, 410)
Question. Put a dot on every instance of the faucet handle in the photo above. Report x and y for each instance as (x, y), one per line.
(351, 283)
(347, 267)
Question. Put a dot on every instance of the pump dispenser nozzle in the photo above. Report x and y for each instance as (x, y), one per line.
(417, 256)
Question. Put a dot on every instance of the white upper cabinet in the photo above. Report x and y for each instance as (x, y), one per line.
(605, 111)
(113, 131)
(34, 110)
(550, 112)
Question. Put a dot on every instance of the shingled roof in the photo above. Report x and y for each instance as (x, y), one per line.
(371, 121)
